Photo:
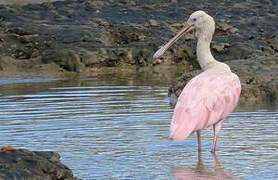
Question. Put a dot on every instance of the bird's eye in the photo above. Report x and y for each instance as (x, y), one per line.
(194, 19)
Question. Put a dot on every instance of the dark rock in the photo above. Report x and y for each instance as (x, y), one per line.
(258, 78)
(119, 27)
(80, 35)
(69, 60)
(19, 164)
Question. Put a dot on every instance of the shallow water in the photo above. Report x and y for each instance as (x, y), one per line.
(118, 129)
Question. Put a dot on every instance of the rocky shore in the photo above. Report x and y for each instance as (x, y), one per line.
(258, 77)
(86, 36)
(83, 36)
(19, 164)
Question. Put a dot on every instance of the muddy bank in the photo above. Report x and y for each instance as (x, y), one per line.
(24, 164)
(84, 36)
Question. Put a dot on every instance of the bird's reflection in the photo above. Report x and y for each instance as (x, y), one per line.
(202, 172)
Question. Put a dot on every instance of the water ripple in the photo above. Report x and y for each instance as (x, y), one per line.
(121, 132)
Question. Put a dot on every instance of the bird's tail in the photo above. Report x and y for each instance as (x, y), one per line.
(181, 127)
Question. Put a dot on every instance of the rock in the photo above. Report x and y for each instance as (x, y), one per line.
(80, 36)
(222, 27)
(24, 164)
(153, 22)
(220, 47)
(258, 78)
(22, 2)
(104, 28)
(67, 59)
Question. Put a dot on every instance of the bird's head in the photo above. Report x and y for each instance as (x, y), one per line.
(199, 21)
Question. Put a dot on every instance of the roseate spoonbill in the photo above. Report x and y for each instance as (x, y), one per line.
(210, 96)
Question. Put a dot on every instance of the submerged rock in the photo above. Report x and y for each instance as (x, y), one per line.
(19, 164)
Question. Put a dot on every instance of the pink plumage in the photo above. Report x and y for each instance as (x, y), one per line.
(207, 99)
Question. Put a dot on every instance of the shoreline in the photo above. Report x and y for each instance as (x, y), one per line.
(88, 38)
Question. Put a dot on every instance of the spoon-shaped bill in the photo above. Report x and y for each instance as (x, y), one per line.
(164, 48)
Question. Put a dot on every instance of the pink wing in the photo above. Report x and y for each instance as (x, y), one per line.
(205, 100)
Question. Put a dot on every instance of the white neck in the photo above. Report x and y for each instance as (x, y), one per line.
(204, 55)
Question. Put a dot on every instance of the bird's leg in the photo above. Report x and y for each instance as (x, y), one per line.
(216, 129)
(214, 140)
(199, 140)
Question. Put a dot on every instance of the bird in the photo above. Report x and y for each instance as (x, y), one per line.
(208, 98)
